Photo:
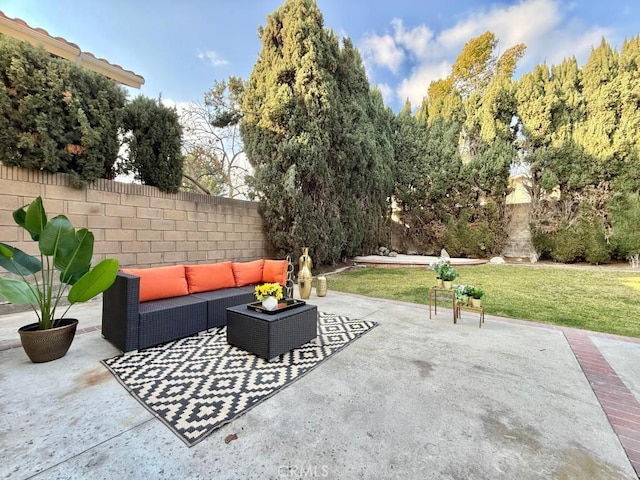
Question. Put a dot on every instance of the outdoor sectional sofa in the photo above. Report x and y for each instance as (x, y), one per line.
(150, 306)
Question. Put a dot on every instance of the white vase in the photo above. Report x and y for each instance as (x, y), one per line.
(270, 303)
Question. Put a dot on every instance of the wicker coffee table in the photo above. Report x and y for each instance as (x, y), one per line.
(271, 335)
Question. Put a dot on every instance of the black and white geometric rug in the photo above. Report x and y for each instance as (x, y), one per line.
(198, 384)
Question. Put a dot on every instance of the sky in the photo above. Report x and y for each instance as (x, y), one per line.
(181, 47)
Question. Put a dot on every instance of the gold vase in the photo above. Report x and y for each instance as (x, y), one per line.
(304, 274)
(305, 259)
(321, 286)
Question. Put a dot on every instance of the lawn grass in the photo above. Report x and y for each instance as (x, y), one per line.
(591, 299)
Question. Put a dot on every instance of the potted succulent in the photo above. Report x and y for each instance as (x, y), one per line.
(64, 250)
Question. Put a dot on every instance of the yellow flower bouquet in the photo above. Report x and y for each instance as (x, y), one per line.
(268, 290)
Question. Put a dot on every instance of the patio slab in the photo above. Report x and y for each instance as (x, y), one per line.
(414, 398)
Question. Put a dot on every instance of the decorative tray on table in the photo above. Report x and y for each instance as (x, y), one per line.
(286, 304)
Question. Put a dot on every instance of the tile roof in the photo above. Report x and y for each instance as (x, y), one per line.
(61, 47)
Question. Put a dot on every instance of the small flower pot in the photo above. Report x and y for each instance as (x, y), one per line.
(476, 302)
(448, 284)
(270, 303)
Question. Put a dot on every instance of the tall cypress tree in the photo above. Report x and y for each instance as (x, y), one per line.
(626, 139)
(602, 99)
(308, 129)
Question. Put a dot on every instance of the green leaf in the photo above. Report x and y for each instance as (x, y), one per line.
(6, 250)
(94, 282)
(34, 220)
(20, 217)
(16, 261)
(58, 237)
(78, 262)
(17, 292)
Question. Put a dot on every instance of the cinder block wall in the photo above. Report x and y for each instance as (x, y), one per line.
(519, 243)
(139, 225)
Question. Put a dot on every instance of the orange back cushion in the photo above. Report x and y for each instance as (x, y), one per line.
(214, 276)
(160, 282)
(275, 271)
(247, 273)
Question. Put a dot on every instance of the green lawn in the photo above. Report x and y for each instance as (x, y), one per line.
(591, 299)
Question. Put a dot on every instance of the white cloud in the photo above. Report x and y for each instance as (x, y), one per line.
(179, 106)
(549, 28)
(388, 95)
(544, 26)
(417, 40)
(382, 51)
(415, 86)
(213, 57)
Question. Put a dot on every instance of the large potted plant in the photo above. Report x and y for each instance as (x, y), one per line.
(64, 250)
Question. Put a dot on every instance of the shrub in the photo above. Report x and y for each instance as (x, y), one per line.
(625, 218)
(57, 116)
(154, 136)
(567, 245)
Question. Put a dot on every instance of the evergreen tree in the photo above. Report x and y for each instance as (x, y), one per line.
(315, 136)
(569, 108)
(154, 139)
(57, 116)
(602, 100)
(626, 139)
(536, 102)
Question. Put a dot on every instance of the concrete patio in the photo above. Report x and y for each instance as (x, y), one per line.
(414, 398)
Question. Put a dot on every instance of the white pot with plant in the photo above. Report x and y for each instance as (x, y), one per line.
(269, 294)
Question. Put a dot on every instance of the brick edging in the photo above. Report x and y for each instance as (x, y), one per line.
(618, 403)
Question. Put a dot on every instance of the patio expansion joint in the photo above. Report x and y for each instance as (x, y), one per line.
(91, 447)
(618, 403)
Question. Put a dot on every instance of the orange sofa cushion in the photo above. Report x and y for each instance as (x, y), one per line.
(247, 273)
(275, 271)
(213, 276)
(160, 282)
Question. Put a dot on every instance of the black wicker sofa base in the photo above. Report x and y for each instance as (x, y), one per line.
(131, 325)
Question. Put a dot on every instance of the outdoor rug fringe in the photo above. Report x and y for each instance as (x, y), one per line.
(197, 384)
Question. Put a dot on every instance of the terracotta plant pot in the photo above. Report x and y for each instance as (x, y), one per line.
(46, 345)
